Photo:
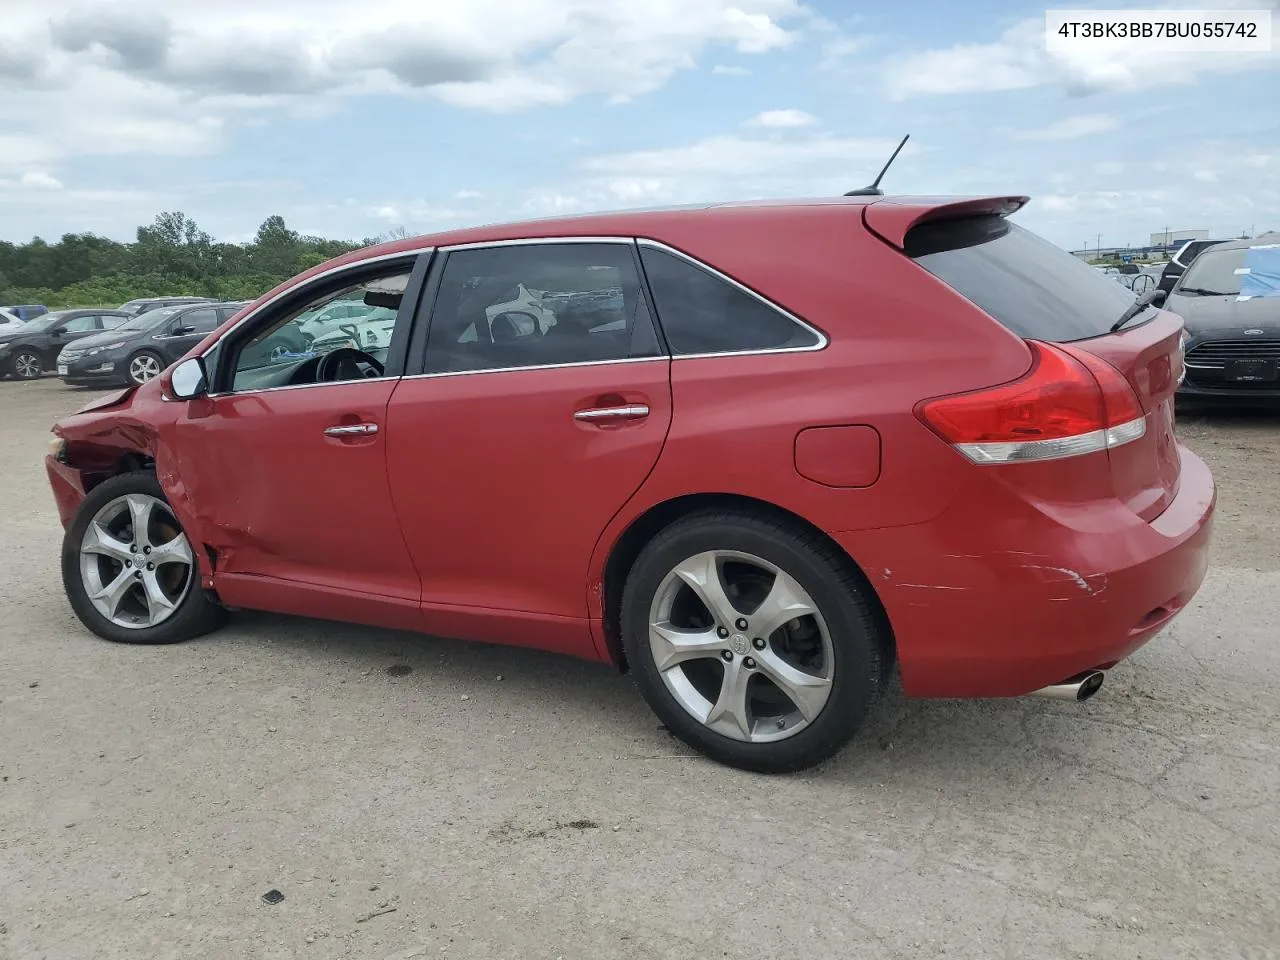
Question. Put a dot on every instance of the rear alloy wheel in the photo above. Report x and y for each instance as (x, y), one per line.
(129, 570)
(27, 365)
(752, 640)
(144, 368)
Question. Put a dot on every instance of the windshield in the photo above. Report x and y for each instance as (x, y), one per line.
(152, 318)
(1214, 274)
(46, 322)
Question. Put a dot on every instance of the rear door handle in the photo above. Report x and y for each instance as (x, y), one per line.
(631, 411)
(351, 430)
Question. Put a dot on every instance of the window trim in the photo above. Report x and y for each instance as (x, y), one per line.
(417, 359)
(823, 340)
(417, 261)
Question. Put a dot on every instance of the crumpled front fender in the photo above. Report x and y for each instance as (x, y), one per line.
(136, 426)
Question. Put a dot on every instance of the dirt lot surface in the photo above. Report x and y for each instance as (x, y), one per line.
(414, 797)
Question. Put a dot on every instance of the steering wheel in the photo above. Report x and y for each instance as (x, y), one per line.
(344, 364)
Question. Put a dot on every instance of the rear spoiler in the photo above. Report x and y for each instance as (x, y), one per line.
(891, 219)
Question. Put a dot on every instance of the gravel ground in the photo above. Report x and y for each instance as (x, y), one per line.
(415, 797)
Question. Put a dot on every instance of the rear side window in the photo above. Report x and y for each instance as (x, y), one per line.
(702, 313)
(1037, 290)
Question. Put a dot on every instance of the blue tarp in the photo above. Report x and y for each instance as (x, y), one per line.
(1263, 278)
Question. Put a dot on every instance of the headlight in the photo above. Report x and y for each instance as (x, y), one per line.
(56, 447)
(94, 351)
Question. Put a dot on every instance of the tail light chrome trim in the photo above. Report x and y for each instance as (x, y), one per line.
(1058, 448)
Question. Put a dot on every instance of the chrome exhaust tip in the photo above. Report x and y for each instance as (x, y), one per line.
(1078, 688)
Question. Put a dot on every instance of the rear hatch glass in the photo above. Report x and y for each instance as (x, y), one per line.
(1040, 292)
(1037, 290)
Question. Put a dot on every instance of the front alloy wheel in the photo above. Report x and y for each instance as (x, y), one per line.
(135, 562)
(129, 569)
(27, 365)
(144, 368)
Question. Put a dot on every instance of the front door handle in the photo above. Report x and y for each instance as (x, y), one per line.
(631, 411)
(352, 430)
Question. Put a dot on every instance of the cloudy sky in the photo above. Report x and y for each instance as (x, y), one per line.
(353, 118)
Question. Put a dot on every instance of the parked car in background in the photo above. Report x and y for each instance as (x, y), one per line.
(136, 307)
(26, 311)
(9, 322)
(1181, 260)
(136, 351)
(1232, 339)
(758, 482)
(33, 349)
(331, 318)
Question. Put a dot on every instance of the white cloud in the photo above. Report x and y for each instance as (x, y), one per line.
(782, 118)
(724, 70)
(1019, 60)
(1224, 185)
(488, 54)
(1069, 128)
(40, 180)
(171, 78)
(729, 155)
(468, 195)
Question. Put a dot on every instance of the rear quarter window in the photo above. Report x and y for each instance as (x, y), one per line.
(1035, 289)
(701, 313)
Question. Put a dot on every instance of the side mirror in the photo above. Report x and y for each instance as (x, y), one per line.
(188, 379)
(59, 331)
(181, 330)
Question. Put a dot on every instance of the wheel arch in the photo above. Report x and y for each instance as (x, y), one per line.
(627, 547)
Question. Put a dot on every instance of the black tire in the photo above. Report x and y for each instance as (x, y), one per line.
(24, 361)
(197, 613)
(160, 363)
(859, 637)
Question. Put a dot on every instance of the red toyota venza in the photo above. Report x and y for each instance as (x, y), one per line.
(758, 454)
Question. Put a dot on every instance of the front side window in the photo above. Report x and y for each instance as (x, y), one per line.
(538, 304)
(81, 324)
(277, 354)
(702, 313)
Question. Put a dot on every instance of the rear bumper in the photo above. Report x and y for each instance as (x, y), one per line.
(1005, 608)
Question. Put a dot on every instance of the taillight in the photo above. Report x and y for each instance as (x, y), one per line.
(1069, 403)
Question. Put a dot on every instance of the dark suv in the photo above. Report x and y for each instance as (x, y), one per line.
(138, 350)
(29, 351)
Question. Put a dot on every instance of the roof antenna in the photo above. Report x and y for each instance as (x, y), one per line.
(874, 190)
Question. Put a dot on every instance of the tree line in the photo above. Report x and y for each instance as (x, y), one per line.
(170, 257)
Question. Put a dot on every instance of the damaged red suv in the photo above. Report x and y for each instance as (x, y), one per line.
(758, 454)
